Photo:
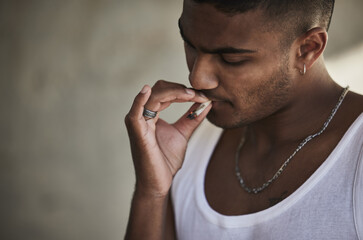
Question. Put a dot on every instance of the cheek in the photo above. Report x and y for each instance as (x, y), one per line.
(245, 86)
(248, 77)
(237, 81)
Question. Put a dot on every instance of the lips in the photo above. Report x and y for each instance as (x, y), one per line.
(214, 99)
(220, 103)
(217, 99)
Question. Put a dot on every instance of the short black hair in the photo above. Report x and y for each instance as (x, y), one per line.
(294, 17)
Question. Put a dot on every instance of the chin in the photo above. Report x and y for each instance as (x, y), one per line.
(225, 121)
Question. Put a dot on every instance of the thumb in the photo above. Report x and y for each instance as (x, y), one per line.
(186, 126)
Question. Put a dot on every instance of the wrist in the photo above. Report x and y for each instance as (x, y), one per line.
(149, 194)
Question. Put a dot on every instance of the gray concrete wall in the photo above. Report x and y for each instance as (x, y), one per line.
(68, 73)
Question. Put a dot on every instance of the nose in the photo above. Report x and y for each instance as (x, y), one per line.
(203, 73)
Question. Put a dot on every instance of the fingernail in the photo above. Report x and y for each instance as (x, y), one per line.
(144, 89)
(189, 91)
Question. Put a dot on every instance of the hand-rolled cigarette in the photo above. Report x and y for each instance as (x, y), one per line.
(199, 110)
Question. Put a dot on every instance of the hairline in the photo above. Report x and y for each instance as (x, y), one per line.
(272, 20)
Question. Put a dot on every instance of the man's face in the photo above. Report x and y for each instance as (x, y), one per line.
(236, 63)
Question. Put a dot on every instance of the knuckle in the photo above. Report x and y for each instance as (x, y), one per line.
(160, 82)
(152, 98)
(129, 120)
(161, 86)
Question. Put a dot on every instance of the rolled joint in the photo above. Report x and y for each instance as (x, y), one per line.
(199, 110)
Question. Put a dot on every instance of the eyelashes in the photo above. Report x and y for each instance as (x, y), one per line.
(233, 59)
(233, 63)
(230, 59)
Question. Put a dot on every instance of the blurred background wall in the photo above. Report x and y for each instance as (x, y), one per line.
(68, 73)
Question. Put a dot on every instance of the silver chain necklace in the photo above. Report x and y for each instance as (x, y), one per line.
(283, 166)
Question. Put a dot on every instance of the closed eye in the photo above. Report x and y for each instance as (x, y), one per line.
(233, 61)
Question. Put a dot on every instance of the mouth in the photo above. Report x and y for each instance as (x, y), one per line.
(221, 104)
(215, 99)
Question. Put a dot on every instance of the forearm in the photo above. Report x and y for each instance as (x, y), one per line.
(147, 217)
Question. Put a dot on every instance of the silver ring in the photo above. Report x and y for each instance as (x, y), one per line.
(149, 114)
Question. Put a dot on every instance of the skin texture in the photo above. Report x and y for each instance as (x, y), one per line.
(252, 81)
(240, 83)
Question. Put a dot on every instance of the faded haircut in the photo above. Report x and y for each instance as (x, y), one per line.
(292, 17)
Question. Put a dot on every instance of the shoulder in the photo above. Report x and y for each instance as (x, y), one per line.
(353, 111)
(349, 114)
(355, 103)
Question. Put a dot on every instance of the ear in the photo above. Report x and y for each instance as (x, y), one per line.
(310, 46)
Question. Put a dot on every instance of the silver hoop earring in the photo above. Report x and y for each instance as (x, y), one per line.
(302, 72)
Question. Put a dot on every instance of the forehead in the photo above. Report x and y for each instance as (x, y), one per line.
(204, 25)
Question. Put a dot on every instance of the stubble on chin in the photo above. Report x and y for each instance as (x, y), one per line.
(228, 121)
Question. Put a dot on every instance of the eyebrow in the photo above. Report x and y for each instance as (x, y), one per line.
(222, 50)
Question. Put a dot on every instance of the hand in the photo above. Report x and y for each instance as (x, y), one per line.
(158, 148)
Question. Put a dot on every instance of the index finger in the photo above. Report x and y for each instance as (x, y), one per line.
(164, 93)
(138, 104)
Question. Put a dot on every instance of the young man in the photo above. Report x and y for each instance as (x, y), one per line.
(282, 154)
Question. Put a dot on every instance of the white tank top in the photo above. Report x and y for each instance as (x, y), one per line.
(329, 205)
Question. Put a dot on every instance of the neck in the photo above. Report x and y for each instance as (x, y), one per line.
(315, 96)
